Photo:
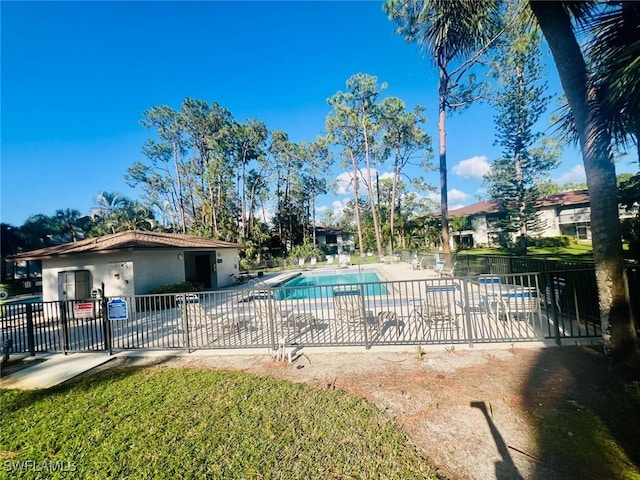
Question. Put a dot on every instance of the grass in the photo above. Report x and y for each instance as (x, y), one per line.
(573, 252)
(182, 423)
(583, 441)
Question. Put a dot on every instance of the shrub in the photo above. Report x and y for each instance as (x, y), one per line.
(182, 287)
(163, 300)
(551, 242)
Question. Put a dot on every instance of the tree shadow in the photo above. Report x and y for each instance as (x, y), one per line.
(584, 414)
(506, 468)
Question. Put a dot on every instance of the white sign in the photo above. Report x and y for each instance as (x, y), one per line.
(83, 310)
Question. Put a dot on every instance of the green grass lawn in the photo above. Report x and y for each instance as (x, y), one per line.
(181, 423)
(573, 252)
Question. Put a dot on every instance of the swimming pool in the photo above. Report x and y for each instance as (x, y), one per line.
(320, 284)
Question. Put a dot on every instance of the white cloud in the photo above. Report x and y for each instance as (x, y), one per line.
(344, 182)
(322, 209)
(338, 207)
(386, 175)
(454, 196)
(575, 175)
(474, 167)
(457, 196)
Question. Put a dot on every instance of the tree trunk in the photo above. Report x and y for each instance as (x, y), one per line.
(372, 199)
(442, 135)
(618, 330)
(356, 206)
(392, 209)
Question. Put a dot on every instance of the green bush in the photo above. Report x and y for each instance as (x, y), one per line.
(182, 287)
(164, 299)
(551, 242)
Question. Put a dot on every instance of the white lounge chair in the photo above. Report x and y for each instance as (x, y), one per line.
(216, 319)
(348, 308)
(440, 308)
(267, 309)
(517, 302)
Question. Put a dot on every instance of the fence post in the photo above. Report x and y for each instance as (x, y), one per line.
(466, 311)
(31, 341)
(364, 319)
(65, 327)
(275, 342)
(106, 326)
(551, 298)
(185, 322)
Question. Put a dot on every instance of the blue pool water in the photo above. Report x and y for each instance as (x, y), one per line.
(320, 285)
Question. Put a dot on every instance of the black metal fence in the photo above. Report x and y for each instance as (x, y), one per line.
(488, 308)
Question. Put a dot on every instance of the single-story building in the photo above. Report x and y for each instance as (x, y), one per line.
(132, 263)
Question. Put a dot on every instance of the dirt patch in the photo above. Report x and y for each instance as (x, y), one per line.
(476, 414)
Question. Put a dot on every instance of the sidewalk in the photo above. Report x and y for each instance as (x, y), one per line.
(52, 369)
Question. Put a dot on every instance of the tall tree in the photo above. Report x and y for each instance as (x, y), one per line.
(618, 329)
(448, 31)
(205, 128)
(249, 143)
(317, 161)
(353, 124)
(403, 137)
(527, 155)
(166, 156)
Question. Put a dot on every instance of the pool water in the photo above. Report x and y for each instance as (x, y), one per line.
(320, 285)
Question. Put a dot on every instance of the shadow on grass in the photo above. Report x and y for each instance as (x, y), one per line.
(585, 415)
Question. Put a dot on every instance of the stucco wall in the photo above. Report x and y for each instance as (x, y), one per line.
(156, 268)
(116, 271)
(101, 267)
(227, 267)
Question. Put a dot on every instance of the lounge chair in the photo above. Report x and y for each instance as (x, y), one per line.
(416, 263)
(348, 307)
(267, 310)
(559, 285)
(440, 308)
(517, 302)
(219, 318)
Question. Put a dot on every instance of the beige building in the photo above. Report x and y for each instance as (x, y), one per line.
(131, 263)
(567, 213)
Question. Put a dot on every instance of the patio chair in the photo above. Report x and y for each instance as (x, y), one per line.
(348, 307)
(440, 308)
(267, 308)
(199, 317)
(518, 302)
(559, 285)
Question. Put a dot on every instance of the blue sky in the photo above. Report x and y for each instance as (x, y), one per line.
(76, 77)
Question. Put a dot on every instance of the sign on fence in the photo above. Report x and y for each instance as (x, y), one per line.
(83, 310)
(117, 309)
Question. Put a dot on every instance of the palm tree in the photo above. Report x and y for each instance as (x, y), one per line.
(614, 49)
(618, 329)
(447, 31)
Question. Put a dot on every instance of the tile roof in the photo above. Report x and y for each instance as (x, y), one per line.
(565, 198)
(129, 240)
(479, 208)
(576, 197)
